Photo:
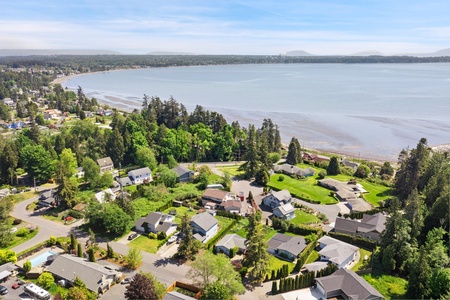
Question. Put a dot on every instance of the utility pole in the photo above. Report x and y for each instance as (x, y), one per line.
(34, 180)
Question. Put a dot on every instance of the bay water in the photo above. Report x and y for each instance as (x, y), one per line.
(367, 110)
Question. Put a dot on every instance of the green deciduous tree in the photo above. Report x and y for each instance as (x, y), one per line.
(27, 266)
(37, 162)
(188, 246)
(216, 290)
(134, 257)
(91, 170)
(45, 280)
(116, 220)
(145, 158)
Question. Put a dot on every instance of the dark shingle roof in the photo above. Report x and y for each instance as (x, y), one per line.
(350, 284)
(291, 244)
(180, 170)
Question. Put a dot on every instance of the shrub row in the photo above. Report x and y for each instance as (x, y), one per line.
(209, 244)
(229, 215)
(291, 283)
(360, 214)
(282, 272)
(355, 240)
(303, 257)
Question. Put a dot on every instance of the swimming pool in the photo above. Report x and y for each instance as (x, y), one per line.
(41, 258)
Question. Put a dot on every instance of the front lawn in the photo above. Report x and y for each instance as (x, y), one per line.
(362, 263)
(17, 240)
(306, 189)
(389, 286)
(276, 264)
(312, 257)
(240, 228)
(302, 217)
(145, 243)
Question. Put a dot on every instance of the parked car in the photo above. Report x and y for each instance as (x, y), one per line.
(126, 281)
(132, 236)
(15, 286)
(172, 239)
(3, 290)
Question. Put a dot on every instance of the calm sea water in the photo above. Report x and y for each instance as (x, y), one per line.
(371, 110)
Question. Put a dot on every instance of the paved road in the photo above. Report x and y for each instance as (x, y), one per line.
(46, 227)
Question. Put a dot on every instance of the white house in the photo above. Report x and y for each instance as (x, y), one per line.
(105, 196)
(284, 212)
(142, 175)
(204, 226)
(156, 222)
(275, 199)
(339, 253)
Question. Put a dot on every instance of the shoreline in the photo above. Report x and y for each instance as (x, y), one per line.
(325, 137)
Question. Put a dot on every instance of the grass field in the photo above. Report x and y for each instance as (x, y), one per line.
(276, 263)
(312, 257)
(232, 170)
(302, 217)
(144, 243)
(303, 189)
(180, 212)
(389, 286)
(240, 228)
(143, 206)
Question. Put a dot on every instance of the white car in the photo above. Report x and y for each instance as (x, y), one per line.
(14, 229)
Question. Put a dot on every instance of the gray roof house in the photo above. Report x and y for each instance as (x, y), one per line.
(284, 212)
(125, 181)
(204, 226)
(346, 284)
(156, 222)
(291, 170)
(184, 174)
(286, 246)
(105, 164)
(96, 277)
(47, 198)
(105, 196)
(371, 226)
(216, 196)
(229, 242)
(142, 175)
(275, 199)
(339, 253)
(4, 192)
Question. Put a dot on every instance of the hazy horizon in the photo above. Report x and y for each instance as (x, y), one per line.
(228, 27)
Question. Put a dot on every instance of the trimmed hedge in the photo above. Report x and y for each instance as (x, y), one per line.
(360, 214)
(218, 236)
(355, 240)
(294, 283)
(303, 257)
(228, 215)
(293, 228)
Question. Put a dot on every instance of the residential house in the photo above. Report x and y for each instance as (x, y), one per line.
(346, 284)
(231, 206)
(142, 175)
(288, 247)
(15, 125)
(337, 252)
(370, 226)
(7, 270)
(314, 158)
(293, 170)
(156, 222)
(204, 226)
(52, 114)
(350, 164)
(275, 199)
(229, 242)
(47, 198)
(184, 174)
(106, 164)
(349, 192)
(105, 196)
(217, 196)
(125, 181)
(284, 212)
(9, 102)
(79, 172)
(97, 278)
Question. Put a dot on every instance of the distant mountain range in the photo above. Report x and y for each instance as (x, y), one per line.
(443, 52)
(25, 52)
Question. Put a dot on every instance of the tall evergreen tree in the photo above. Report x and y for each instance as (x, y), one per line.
(187, 248)
(256, 258)
(333, 166)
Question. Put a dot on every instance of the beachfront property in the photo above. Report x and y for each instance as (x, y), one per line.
(184, 174)
(105, 164)
(371, 226)
(337, 252)
(204, 226)
(97, 278)
(293, 170)
(349, 192)
(314, 158)
(139, 176)
(350, 164)
(275, 199)
(288, 247)
(156, 222)
(346, 284)
(229, 242)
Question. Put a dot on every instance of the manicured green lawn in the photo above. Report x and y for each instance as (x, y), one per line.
(303, 189)
(276, 263)
(214, 178)
(232, 170)
(240, 228)
(223, 222)
(363, 264)
(389, 286)
(302, 217)
(144, 243)
(22, 239)
(312, 257)
(180, 212)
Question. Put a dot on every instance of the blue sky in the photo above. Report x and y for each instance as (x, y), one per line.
(227, 27)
